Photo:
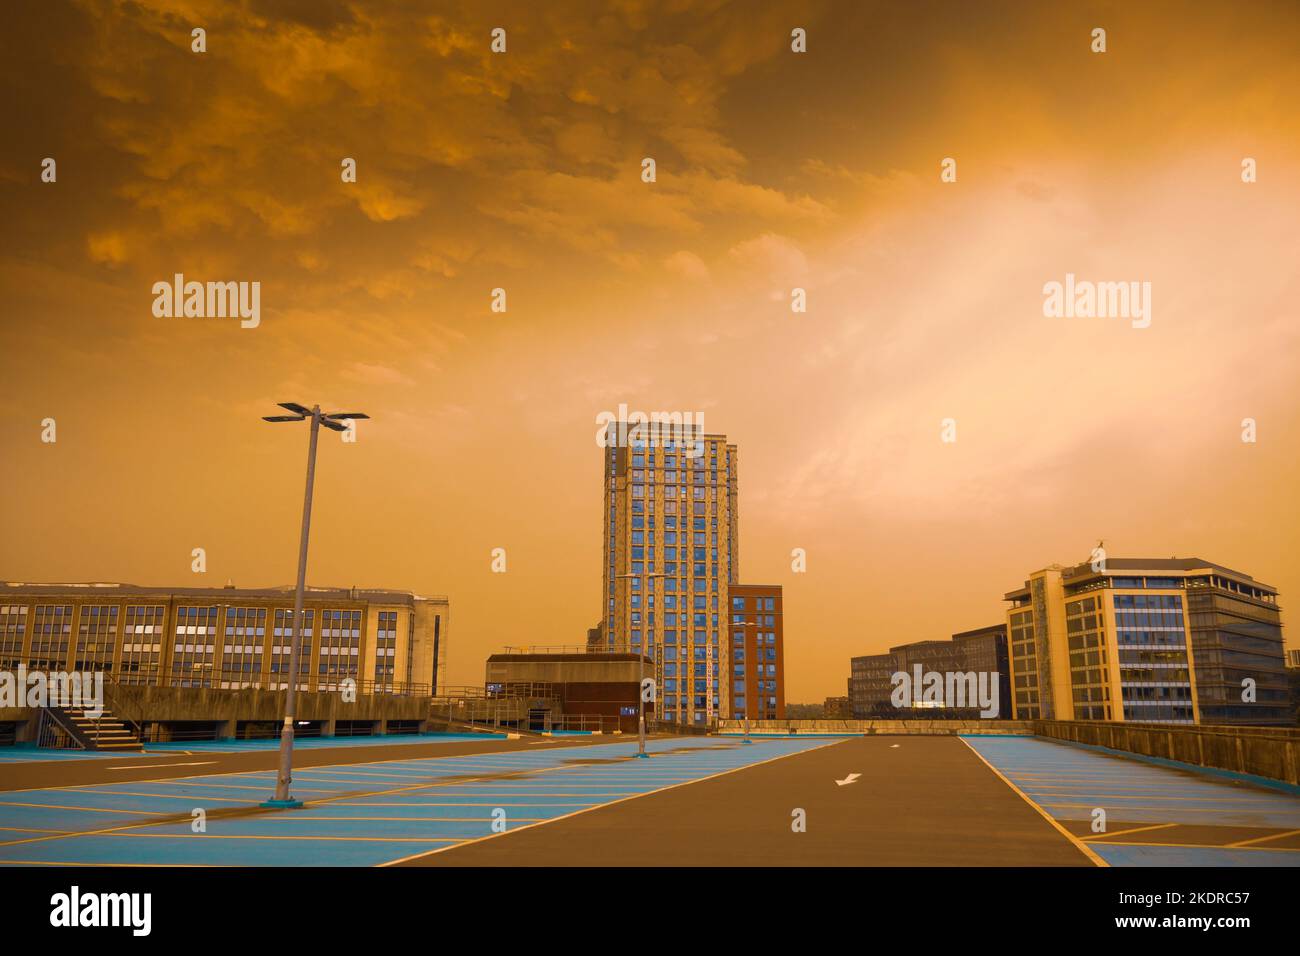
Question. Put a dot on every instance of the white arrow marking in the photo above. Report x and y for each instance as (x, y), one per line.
(849, 779)
(893, 746)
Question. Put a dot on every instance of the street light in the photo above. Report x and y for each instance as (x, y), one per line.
(641, 687)
(282, 799)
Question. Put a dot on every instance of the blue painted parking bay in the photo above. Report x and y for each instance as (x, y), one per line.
(355, 814)
(1155, 815)
(27, 754)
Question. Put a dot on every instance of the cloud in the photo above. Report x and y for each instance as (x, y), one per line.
(371, 374)
(687, 265)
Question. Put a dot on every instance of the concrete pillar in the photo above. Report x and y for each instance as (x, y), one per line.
(328, 727)
(227, 729)
(26, 731)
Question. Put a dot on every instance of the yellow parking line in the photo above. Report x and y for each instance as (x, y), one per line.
(1204, 846)
(1265, 839)
(1154, 826)
(158, 796)
(56, 806)
(295, 819)
(1249, 801)
(1155, 809)
(227, 836)
(228, 786)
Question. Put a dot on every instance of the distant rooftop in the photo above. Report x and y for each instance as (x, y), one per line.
(1117, 567)
(377, 595)
(1084, 568)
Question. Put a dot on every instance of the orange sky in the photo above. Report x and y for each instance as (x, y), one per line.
(775, 170)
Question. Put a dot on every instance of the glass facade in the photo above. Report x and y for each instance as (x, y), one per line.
(1155, 675)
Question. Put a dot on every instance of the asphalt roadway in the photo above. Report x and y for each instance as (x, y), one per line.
(710, 801)
(918, 801)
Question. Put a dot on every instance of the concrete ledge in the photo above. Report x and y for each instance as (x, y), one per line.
(1262, 752)
(841, 728)
(226, 708)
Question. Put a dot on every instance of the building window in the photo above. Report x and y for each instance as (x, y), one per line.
(244, 647)
(194, 646)
(97, 637)
(142, 639)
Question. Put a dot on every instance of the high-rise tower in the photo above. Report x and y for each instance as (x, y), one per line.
(670, 553)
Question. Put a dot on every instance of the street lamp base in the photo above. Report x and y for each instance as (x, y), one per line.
(289, 804)
(747, 741)
(646, 756)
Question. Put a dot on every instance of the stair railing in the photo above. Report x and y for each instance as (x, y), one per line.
(52, 733)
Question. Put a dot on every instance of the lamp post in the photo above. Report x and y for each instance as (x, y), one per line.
(282, 799)
(641, 686)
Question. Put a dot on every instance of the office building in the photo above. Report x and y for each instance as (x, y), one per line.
(836, 707)
(1176, 640)
(983, 650)
(670, 529)
(757, 652)
(870, 684)
(231, 638)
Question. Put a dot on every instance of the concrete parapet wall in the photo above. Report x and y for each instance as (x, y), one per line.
(1273, 753)
(1269, 752)
(841, 726)
(144, 704)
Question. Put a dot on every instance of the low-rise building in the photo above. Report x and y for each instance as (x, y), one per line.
(227, 638)
(574, 690)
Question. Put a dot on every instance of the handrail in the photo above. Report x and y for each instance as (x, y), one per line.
(137, 727)
(53, 713)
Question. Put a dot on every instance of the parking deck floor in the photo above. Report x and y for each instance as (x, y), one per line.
(356, 814)
(894, 801)
(1154, 815)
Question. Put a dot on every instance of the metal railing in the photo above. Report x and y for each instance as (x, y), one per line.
(237, 680)
(551, 649)
(53, 734)
(585, 723)
(492, 691)
(126, 698)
